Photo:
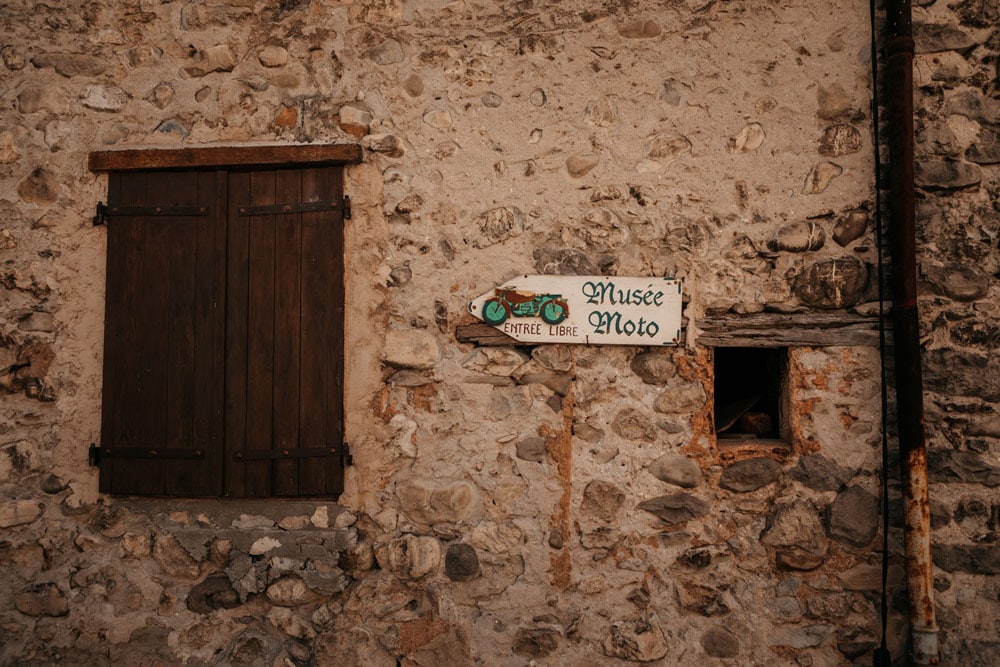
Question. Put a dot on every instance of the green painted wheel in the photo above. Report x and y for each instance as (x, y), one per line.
(494, 312)
(553, 312)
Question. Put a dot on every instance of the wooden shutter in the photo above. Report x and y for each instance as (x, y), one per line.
(284, 343)
(224, 333)
(163, 363)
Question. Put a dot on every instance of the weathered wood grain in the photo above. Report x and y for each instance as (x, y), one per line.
(484, 335)
(783, 330)
(758, 330)
(223, 156)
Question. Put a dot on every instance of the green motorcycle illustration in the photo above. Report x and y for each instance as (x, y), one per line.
(511, 302)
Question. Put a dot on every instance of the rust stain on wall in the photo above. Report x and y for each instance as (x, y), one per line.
(801, 380)
(414, 634)
(696, 366)
(560, 447)
(423, 396)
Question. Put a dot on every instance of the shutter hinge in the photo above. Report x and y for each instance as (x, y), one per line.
(347, 211)
(101, 217)
(345, 456)
(94, 452)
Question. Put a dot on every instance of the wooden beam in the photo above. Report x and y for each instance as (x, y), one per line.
(783, 330)
(224, 156)
(758, 330)
(484, 335)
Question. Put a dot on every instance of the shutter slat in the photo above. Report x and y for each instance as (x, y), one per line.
(128, 397)
(237, 303)
(114, 310)
(182, 361)
(153, 311)
(322, 351)
(335, 333)
(212, 308)
(260, 327)
(287, 311)
(312, 418)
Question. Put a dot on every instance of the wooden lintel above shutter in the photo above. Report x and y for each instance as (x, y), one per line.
(302, 155)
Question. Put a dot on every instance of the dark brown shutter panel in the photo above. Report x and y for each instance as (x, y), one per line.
(162, 425)
(284, 432)
(224, 334)
(322, 334)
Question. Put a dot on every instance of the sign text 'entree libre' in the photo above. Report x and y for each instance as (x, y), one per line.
(593, 310)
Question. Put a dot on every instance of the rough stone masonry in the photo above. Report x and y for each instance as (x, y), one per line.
(552, 505)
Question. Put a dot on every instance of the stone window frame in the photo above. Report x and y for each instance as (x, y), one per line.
(780, 330)
(778, 394)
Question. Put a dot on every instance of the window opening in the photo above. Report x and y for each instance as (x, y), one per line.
(751, 394)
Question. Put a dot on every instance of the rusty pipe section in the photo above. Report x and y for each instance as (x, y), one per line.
(899, 49)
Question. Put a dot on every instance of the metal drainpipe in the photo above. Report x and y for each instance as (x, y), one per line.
(898, 33)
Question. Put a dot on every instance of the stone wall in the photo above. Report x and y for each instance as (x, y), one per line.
(555, 504)
(958, 180)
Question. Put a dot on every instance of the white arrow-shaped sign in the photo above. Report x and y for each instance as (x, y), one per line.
(593, 310)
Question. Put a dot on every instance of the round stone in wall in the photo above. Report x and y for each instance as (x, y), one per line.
(8, 149)
(564, 262)
(273, 56)
(12, 58)
(939, 174)
(749, 139)
(496, 226)
(832, 283)
(216, 592)
(798, 237)
(719, 642)
(841, 139)
(53, 484)
(853, 517)
(491, 100)
(556, 539)
(688, 397)
(409, 556)
(677, 470)
(388, 52)
(536, 642)
(961, 283)
(654, 367)
(413, 85)
(411, 348)
(640, 29)
(39, 187)
(635, 640)
(986, 149)
(820, 473)
(387, 144)
(850, 227)
(579, 166)
(820, 176)
(750, 475)
(20, 512)
(676, 508)
(104, 98)
(532, 448)
(438, 118)
(601, 500)
(461, 562)
(45, 599)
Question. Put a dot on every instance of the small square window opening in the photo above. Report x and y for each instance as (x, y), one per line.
(751, 394)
